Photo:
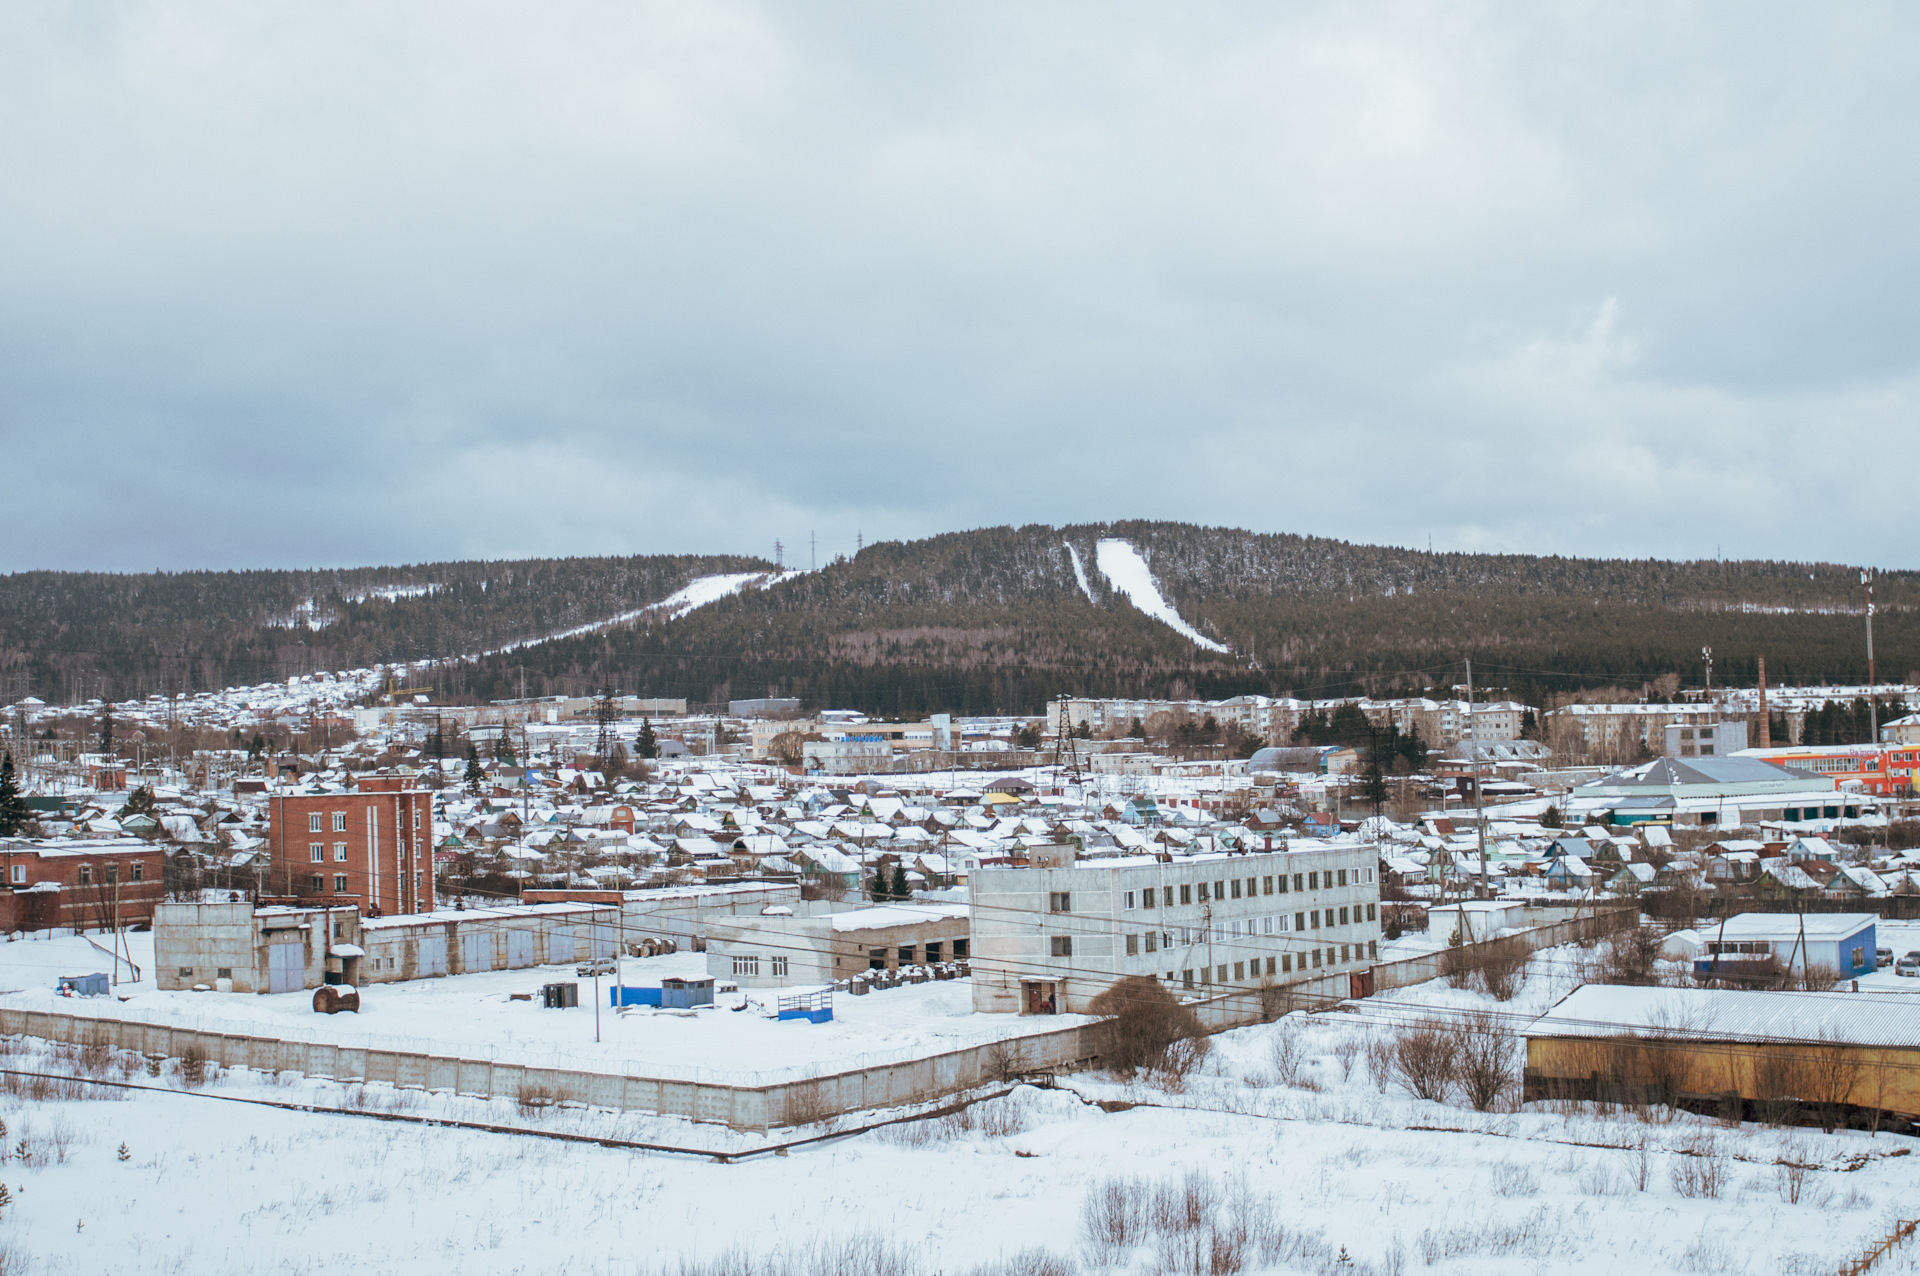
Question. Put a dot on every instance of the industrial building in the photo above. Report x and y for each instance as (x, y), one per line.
(1050, 938)
(236, 947)
(1712, 791)
(780, 950)
(1758, 944)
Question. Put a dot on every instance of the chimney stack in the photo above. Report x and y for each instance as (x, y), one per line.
(1766, 722)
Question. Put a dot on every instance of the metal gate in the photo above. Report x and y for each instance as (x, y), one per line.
(606, 942)
(286, 967)
(519, 949)
(431, 956)
(560, 945)
(476, 953)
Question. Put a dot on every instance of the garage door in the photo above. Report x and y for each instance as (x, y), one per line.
(560, 945)
(286, 967)
(605, 941)
(476, 953)
(431, 957)
(519, 949)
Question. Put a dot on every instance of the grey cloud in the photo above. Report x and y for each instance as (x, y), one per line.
(376, 284)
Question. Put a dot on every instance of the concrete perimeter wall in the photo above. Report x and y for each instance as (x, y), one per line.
(748, 1107)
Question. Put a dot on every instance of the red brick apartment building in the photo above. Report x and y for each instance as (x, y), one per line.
(373, 847)
(87, 885)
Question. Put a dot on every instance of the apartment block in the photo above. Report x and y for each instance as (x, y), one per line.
(372, 846)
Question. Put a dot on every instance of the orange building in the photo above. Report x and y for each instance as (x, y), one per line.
(1886, 770)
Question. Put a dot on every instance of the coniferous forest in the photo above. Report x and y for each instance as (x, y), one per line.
(993, 620)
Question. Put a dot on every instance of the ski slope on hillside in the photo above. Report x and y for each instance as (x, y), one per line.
(697, 593)
(1080, 574)
(1127, 572)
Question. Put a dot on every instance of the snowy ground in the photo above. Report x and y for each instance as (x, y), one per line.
(475, 1015)
(1334, 1158)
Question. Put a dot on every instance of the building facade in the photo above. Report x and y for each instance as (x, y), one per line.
(1048, 940)
(95, 884)
(783, 951)
(371, 846)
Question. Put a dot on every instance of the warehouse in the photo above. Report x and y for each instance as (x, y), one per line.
(1757, 945)
(1857, 1054)
(779, 950)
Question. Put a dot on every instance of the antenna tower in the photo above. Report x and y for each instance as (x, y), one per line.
(1066, 753)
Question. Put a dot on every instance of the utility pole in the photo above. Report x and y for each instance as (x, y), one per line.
(813, 554)
(1873, 682)
(1479, 811)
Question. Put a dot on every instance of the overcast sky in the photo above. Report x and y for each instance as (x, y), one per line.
(361, 283)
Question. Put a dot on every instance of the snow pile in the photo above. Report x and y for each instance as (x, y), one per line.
(1127, 572)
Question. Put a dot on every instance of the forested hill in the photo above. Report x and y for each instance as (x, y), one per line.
(993, 619)
(998, 619)
(67, 636)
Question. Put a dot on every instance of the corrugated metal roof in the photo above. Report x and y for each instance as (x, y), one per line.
(1603, 1010)
(1790, 925)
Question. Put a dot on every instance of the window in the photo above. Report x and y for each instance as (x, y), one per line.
(339, 821)
(19, 874)
(186, 972)
(933, 956)
(1186, 894)
(1236, 888)
(1203, 893)
(1253, 887)
(113, 873)
(1299, 921)
(1313, 881)
(313, 822)
(316, 851)
(1146, 897)
(959, 950)
(1343, 877)
(1313, 919)
(1366, 875)
(1060, 945)
(86, 874)
(1223, 973)
(1346, 952)
(1343, 917)
(1286, 963)
(1266, 885)
(906, 955)
(1220, 889)
(1859, 957)
(1316, 957)
(1373, 950)
(1060, 901)
(746, 965)
(339, 852)
(1239, 972)
(1152, 935)
(1270, 969)
(1129, 900)
(1296, 882)
(319, 882)
(223, 972)
(1370, 913)
(1133, 945)
(339, 883)
(139, 870)
(1186, 978)
(779, 967)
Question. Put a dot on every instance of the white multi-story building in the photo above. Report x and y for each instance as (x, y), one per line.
(1438, 722)
(1047, 940)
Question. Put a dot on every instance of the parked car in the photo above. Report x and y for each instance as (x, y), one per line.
(1908, 965)
(604, 966)
(1882, 957)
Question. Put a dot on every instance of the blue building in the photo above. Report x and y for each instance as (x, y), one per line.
(1754, 944)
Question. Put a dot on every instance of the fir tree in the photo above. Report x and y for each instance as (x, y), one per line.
(1551, 818)
(881, 891)
(646, 746)
(900, 888)
(139, 802)
(13, 808)
(475, 777)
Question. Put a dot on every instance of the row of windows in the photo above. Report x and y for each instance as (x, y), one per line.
(316, 821)
(1313, 959)
(1313, 919)
(1242, 888)
(317, 851)
(136, 872)
(319, 882)
(751, 966)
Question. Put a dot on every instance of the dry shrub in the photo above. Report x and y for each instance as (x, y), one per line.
(864, 1254)
(1186, 1205)
(1510, 1178)
(1001, 1117)
(533, 1100)
(1485, 1059)
(1456, 964)
(1286, 1055)
(1627, 958)
(1790, 1171)
(1504, 969)
(1029, 1262)
(1004, 1063)
(1380, 1067)
(804, 1105)
(1346, 1050)
(1422, 1059)
(1148, 1028)
(1699, 1168)
(1114, 1216)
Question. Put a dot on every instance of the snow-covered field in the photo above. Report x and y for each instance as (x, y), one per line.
(475, 1015)
(1287, 1149)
